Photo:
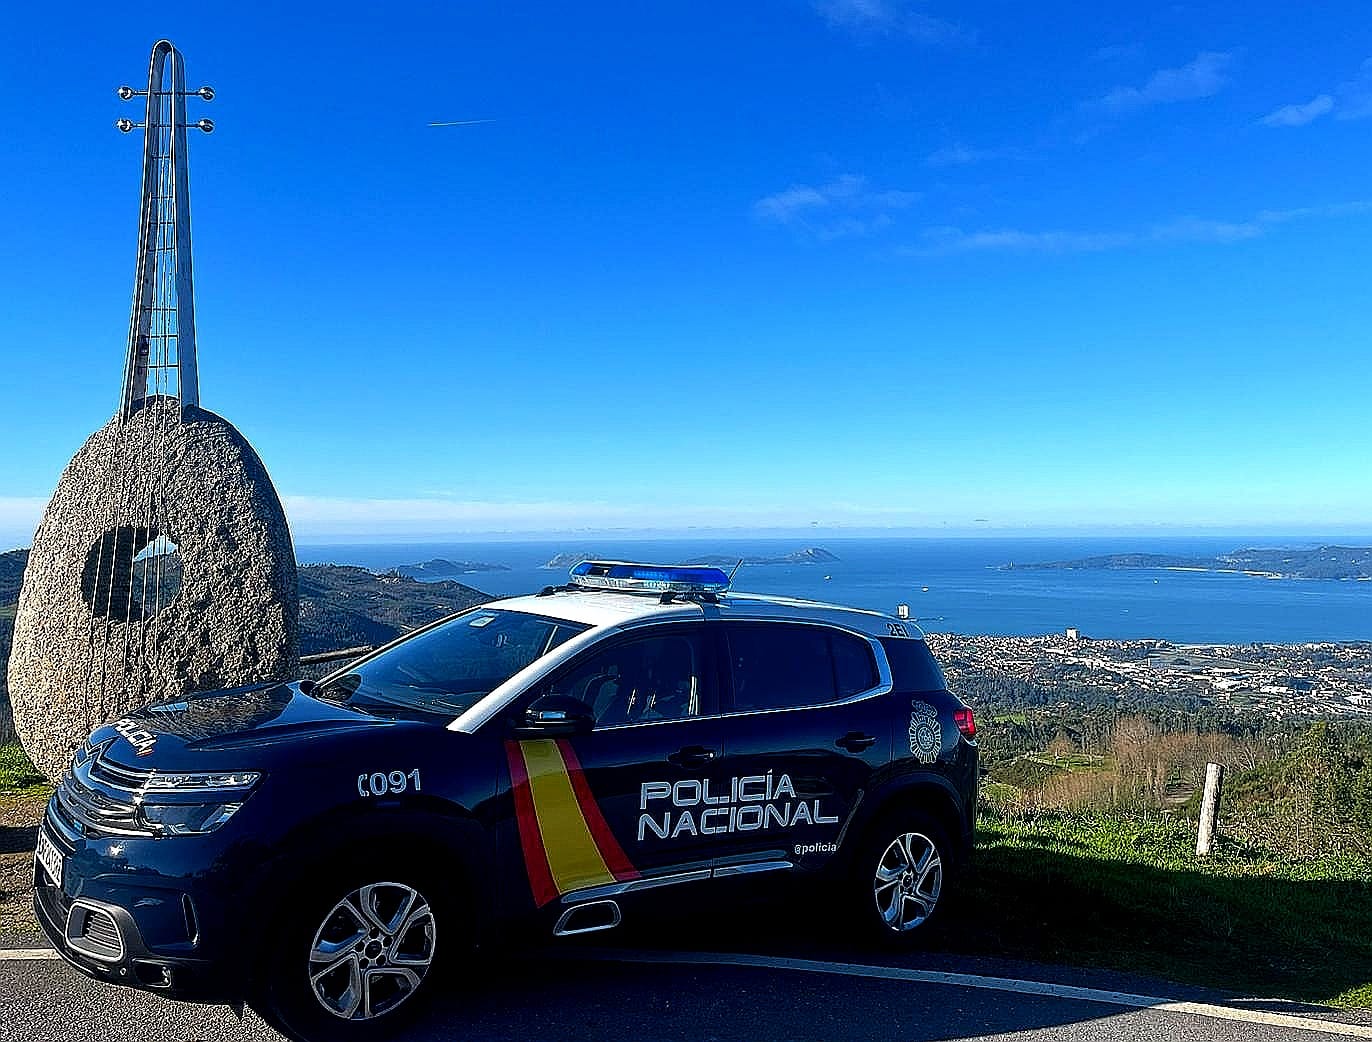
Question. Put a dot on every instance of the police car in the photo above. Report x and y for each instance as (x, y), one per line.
(639, 734)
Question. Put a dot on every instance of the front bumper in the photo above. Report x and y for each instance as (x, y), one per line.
(131, 963)
(99, 916)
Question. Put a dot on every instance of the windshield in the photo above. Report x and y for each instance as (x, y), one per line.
(448, 669)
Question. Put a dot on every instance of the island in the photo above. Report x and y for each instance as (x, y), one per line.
(1322, 562)
(442, 568)
(808, 555)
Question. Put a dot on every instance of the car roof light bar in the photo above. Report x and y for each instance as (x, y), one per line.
(649, 578)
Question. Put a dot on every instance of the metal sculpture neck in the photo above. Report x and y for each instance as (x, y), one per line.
(161, 359)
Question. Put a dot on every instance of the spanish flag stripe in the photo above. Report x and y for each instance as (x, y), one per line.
(573, 857)
(530, 840)
(610, 850)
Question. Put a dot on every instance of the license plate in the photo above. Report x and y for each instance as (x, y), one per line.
(47, 855)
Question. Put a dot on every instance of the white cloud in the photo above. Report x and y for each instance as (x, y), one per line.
(1200, 229)
(1119, 52)
(1355, 95)
(891, 18)
(789, 204)
(1299, 115)
(1185, 229)
(336, 518)
(1205, 75)
(337, 511)
(1352, 99)
(962, 155)
(845, 206)
(1356, 208)
(955, 240)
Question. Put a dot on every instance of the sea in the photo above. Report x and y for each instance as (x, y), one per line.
(959, 585)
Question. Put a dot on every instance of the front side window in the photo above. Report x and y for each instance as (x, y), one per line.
(782, 665)
(448, 669)
(639, 681)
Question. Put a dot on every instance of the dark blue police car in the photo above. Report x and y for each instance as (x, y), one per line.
(314, 848)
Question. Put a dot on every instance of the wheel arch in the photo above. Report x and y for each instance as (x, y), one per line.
(924, 791)
(444, 839)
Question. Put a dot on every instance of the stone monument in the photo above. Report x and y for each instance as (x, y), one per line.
(163, 563)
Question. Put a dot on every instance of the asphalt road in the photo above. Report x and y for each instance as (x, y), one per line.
(752, 971)
(575, 994)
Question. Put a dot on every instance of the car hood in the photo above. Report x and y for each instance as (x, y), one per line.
(172, 735)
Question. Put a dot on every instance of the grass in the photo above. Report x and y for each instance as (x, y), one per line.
(17, 774)
(1022, 719)
(1129, 894)
(1070, 762)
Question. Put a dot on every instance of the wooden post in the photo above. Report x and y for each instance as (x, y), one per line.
(1210, 808)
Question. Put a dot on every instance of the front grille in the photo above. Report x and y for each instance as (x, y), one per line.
(116, 775)
(99, 798)
(94, 932)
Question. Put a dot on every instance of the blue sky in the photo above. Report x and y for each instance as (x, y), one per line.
(863, 262)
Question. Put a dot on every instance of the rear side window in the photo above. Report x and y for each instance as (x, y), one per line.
(912, 665)
(782, 666)
(855, 670)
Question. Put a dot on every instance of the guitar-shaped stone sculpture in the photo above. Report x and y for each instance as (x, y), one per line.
(163, 563)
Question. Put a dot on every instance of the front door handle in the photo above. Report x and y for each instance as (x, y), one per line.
(856, 741)
(691, 756)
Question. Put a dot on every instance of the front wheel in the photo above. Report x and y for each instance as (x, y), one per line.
(355, 959)
(900, 877)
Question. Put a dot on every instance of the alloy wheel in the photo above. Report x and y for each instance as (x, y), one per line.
(908, 881)
(372, 951)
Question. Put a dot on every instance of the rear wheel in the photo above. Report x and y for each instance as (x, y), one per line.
(900, 877)
(357, 956)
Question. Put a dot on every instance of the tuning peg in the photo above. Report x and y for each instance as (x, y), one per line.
(207, 93)
(207, 125)
(127, 92)
(125, 125)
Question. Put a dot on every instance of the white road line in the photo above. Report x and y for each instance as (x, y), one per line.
(27, 954)
(971, 980)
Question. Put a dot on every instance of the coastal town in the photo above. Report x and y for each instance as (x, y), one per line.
(1325, 679)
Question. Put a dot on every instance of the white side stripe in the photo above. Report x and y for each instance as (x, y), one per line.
(22, 954)
(971, 980)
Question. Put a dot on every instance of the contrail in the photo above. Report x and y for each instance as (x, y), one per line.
(462, 123)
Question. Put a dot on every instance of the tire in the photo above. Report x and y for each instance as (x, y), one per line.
(900, 878)
(357, 951)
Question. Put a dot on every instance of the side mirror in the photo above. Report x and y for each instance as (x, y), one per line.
(557, 715)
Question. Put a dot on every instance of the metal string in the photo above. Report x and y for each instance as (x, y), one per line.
(110, 537)
(157, 360)
(167, 316)
(157, 354)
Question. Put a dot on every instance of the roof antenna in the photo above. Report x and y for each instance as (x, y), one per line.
(735, 571)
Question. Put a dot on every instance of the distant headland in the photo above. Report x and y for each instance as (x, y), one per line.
(442, 568)
(1323, 562)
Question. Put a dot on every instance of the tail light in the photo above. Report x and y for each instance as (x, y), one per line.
(967, 723)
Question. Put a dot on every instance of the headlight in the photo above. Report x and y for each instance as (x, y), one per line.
(202, 781)
(197, 802)
(187, 819)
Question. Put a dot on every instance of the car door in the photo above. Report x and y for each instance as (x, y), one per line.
(805, 726)
(625, 801)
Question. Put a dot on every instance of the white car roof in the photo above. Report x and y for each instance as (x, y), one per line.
(605, 611)
(607, 608)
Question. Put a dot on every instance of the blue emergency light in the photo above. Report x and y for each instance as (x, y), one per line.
(649, 578)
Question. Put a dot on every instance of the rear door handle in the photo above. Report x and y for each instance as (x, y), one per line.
(691, 756)
(856, 741)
